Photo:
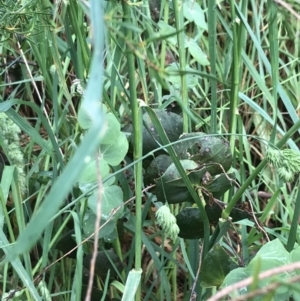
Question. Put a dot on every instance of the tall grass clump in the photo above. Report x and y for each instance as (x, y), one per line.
(149, 150)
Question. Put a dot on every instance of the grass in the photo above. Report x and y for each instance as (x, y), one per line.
(228, 68)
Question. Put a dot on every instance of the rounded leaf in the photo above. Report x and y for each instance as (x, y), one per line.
(89, 223)
(211, 151)
(157, 167)
(190, 223)
(172, 124)
(111, 198)
(193, 12)
(114, 153)
(170, 186)
(218, 184)
(90, 172)
(218, 261)
(112, 129)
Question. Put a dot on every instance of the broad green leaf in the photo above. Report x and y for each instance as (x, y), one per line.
(114, 153)
(218, 261)
(90, 172)
(295, 257)
(233, 277)
(271, 254)
(172, 124)
(111, 130)
(197, 53)
(89, 224)
(190, 223)
(194, 13)
(112, 197)
(84, 119)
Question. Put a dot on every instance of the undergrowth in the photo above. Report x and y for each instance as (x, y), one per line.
(94, 92)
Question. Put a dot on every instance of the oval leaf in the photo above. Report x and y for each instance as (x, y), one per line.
(218, 261)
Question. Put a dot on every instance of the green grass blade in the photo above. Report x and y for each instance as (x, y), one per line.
(18, 267)
(132, 283)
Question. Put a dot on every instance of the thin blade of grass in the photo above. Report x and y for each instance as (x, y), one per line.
(18, 267)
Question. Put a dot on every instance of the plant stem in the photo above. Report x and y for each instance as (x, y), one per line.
(178, 10)
(212, 38)
(138, 144)
(234, 77)
(272, 13)
(294, 225)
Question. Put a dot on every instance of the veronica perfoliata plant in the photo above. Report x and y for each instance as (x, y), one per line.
(286, 162)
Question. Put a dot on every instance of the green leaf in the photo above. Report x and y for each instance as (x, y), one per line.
(218, 261)
(112, 197)
(90, 172)
(212, 151)
(194, 13)
(197, 53)
(89, 223)
(295, 257)
(84, 118)
(132, 284)
(171, 123)
(233, 277)
(190, 223)
(271, 255)
(114, 153)
(111, 130)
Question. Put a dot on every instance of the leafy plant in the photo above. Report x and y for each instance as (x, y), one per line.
(160, 147)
